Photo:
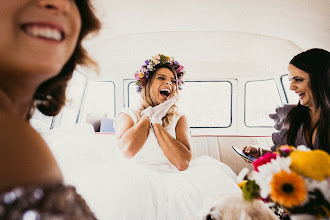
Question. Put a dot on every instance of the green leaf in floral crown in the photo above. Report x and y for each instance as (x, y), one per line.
(251, 191)
(163, 59)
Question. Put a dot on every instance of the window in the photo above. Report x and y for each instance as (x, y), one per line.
(74, 95)
(41, 122)
(290, 96)
(261, 99)
(207, 104)
(69, 114)
(99, 103)
(133, 96)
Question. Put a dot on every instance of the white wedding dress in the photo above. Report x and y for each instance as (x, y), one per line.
(149, 187)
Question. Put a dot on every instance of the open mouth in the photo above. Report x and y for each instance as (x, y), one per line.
(165, 92)
(301, 95)
(43, 31)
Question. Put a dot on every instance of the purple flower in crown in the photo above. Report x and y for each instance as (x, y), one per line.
(150, 65)
(180, 82)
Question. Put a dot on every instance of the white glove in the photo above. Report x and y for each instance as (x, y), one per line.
(151, 110)
(161, 110)
(148, 112)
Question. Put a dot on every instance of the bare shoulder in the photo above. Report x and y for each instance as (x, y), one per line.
(124, 117)
(24, 156)
(183, 123)
(123, 123)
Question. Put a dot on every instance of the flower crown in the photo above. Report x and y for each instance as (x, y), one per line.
(148, 68)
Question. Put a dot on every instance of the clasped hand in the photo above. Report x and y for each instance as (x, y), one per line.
(158, 112)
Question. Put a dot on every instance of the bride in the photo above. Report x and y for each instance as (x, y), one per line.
(156, 178)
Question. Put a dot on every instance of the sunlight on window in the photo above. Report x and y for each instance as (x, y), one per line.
(74, 96)
(261, 99)
(69, 114)
(41, 122)
(99, 103)
(134, 98)
(206, 103)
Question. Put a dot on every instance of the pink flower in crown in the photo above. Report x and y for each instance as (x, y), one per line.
(264, 159)
(137, 76)
(180, 69)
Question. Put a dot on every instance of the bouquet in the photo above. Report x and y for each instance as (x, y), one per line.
(296, 179)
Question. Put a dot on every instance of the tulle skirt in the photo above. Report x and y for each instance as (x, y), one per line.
(130, 191)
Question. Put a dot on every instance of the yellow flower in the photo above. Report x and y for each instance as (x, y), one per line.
(242, 184)
(141, 75)
(288, 189)
(314, 164)
(167, 57)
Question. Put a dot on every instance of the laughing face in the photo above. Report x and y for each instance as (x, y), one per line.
(300, 84)
(38, 36)
(163, 86)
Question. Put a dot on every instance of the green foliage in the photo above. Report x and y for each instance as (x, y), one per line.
(251, 191)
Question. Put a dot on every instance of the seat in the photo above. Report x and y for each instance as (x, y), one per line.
(107, 125)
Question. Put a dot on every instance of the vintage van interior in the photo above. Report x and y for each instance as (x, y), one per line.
(235, 53)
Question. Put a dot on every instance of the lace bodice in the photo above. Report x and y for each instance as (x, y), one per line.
(52, 202)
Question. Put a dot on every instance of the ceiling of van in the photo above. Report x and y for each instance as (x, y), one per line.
(217, 32)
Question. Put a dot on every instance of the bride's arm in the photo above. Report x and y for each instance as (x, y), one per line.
(176, 150)
(131, 137)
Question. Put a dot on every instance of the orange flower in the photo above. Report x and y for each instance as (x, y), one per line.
(288, 189)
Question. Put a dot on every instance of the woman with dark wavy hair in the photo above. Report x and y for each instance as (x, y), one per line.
(308, 122)
(39, 50)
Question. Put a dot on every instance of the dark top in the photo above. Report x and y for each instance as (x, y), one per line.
(53, 202)
(279, 138)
